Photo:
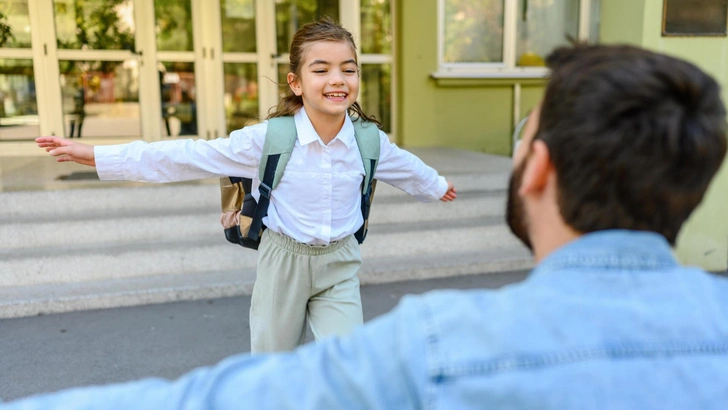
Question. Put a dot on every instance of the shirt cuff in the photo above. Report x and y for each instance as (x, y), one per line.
(108, 162)
(441, 187)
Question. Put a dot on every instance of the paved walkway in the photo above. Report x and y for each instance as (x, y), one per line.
(48, 353)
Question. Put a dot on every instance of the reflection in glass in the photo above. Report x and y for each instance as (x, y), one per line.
(100, 98)
(95, 24)
(542, 26)
(376, 93)
(292, 14)
(238, 25)
(241, 94)
(173, 25)
(376, 27)
(14, 24)
(18, 106)
(473, 31)
(179, 105)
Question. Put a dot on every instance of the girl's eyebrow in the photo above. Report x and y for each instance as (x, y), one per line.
(314, 62)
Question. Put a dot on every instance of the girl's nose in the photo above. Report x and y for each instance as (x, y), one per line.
(336, 78)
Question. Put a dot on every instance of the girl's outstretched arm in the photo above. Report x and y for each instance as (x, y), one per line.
(66, 150)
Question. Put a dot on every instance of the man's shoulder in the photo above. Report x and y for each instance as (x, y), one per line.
(569, 311)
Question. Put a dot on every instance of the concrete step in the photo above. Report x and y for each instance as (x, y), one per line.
(200, 254)
(112, 293)
(22, 206)
(120, 246)
(50, 231)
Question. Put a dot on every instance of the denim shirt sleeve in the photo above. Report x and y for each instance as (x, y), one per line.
(380, 366)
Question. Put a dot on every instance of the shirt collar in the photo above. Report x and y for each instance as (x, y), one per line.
(306, 134)
(612, 249)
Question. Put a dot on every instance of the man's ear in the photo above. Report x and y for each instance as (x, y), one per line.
(538, 169)
(294, 84)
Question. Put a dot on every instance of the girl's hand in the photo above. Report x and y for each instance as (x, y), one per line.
(450, 194)
(67, 150)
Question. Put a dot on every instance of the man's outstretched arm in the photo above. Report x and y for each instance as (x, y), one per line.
(382, 365)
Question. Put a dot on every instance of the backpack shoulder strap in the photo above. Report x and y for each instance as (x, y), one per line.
(367, 139)
(280, 138)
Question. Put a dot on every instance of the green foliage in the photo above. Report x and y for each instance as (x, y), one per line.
(174, 24)
(6, 32)
(292, 14)
(98, 26)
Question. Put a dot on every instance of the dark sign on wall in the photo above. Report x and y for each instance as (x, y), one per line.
(694, 17)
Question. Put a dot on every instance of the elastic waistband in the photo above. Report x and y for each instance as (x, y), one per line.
(291, 245)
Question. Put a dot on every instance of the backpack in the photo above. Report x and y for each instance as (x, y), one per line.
(242, 217)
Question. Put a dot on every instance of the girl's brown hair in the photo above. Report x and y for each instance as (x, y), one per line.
(325, 29)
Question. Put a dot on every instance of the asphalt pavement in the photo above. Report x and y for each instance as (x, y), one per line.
(49, 353)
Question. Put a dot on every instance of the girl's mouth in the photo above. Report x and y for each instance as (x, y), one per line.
(335, 96)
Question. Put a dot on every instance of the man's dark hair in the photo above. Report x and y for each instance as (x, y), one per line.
(635, 137)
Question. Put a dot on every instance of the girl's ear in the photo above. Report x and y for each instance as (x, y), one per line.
(294, 84)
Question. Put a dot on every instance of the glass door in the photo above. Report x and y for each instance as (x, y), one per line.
(98, 68)
(177, 68)
(19, 120)
(376, 39)
(242, 74)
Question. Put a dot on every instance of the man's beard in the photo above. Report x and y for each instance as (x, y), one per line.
(515, 210)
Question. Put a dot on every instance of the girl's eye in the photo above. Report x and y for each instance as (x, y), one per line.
(350, 71)
(319, 71)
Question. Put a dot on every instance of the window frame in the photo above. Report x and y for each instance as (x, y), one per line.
(507, 68)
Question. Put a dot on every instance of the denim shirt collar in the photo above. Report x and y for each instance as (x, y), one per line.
(612, 250)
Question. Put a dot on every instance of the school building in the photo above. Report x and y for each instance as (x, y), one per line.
(451, 73)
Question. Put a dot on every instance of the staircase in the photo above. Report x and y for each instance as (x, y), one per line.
(111, 246)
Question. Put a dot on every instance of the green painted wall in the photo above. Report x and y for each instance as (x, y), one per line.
(622, 21)
(478, 114)
(476, 118)
(468, 114)
(704, 239)
(417, 58)
(531, 95)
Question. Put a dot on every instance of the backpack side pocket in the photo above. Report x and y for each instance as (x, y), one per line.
(238, 207)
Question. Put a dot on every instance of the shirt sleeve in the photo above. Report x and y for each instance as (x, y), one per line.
(407, 172)
(381, 366)
(183, 160)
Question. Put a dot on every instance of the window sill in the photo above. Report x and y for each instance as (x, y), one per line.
(500, 77)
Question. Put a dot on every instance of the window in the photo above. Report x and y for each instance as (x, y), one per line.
(509, 38)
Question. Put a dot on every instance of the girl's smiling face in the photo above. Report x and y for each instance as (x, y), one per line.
(328, 81)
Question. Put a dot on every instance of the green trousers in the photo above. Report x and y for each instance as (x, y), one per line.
(297, 283)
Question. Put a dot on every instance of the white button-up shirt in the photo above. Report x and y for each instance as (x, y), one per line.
(318, 199)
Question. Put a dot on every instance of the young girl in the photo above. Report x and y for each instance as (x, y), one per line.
(308, 258)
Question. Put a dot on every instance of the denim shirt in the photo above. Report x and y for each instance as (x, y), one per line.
(609, 321)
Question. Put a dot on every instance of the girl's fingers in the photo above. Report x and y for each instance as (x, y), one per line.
(58, 151)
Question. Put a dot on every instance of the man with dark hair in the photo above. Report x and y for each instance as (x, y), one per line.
(615, 158)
